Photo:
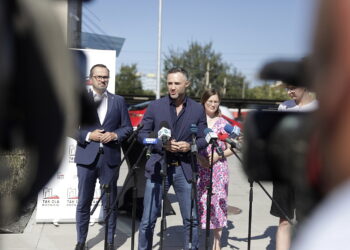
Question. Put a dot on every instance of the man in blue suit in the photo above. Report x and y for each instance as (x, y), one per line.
(179, 111)
(98, 152)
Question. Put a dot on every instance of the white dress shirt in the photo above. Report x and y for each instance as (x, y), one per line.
(101, 110)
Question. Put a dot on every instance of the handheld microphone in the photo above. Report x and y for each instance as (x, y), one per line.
(232, 142)
(135, 132)
(149, 142)
(194, 131)
(212, 138)
(233, 131)
(164, 133)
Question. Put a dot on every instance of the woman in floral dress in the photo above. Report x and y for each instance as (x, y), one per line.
(218, 214)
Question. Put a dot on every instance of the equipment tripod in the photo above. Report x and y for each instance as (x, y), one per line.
(251, 202)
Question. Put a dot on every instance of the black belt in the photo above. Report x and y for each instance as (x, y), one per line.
(100, 150)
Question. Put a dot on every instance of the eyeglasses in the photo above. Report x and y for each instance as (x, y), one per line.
(213, 102)
(100, 78)
(290, 89)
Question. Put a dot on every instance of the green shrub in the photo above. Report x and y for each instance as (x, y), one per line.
(13, 171)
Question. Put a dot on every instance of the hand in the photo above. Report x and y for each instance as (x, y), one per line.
(96, 135)
(108, 136)
(240, 138)
(177, 146)
(216, 157)
(183, 146)
(172, 146)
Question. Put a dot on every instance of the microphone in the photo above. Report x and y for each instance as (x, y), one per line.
(149, 142)
(232, 142)
(164, 133)
(135, 132)
(212, 138)
(194, 131)
(233, 131)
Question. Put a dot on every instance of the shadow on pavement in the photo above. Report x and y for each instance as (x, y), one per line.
(173, 238)
(270, 232)
(123, 232)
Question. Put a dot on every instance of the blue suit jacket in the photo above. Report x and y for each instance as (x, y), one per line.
(117, 120)
(157, 112)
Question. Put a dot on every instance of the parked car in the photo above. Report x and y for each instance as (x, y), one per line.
(227, 114)
(137, 111)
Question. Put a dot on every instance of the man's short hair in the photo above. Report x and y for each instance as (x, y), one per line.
(97, 65)
(178, 70)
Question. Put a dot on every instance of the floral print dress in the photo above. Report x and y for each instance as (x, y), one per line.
(218, 213)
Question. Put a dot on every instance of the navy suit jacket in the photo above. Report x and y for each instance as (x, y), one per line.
(117, 120)
(157, 112)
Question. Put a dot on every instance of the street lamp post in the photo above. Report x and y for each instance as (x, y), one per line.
(159, 48)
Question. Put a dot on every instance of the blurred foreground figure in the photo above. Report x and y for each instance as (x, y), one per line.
(40, 94)
(301, 101)
(328, 225)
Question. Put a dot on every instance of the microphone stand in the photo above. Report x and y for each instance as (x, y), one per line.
(134, 196)
(209, 194)
(194, 203)
(164, 174)
(106, 188)
(251, 202)
(133, 140)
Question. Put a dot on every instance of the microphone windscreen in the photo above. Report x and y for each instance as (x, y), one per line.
(164, 132)
(207, 131)
(194, 129)
(222, 136)
(148, 141)
(228, 128)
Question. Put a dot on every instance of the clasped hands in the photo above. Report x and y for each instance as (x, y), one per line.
(102, 136)
(177, 146)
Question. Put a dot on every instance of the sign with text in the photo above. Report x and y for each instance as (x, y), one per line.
(58, 200)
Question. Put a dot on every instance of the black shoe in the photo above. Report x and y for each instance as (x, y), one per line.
(110, 246)
(80, 246)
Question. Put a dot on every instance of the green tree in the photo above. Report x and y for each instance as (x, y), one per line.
(267, 91)
(197, 59)
(236, 85)
(128, 81)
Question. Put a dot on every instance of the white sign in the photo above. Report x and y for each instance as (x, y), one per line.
(57, 201)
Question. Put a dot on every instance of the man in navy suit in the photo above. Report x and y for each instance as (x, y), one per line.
(98, 152)
(179, 111)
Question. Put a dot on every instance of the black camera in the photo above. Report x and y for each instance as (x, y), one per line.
(277, 144)
(277, 148)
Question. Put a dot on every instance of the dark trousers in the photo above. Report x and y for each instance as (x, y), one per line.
(87, 176)
(152, 208)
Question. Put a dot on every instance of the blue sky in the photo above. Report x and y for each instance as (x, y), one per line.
(246, 32)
